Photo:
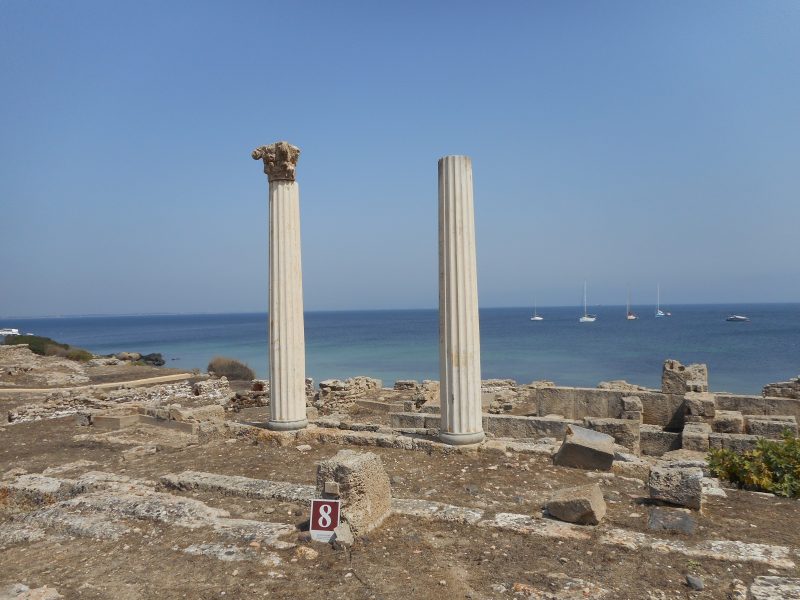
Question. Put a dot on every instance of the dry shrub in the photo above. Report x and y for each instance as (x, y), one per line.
(231, 368)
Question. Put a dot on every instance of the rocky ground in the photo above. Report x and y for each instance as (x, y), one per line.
(217, 509)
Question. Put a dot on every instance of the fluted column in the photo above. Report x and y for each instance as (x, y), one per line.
(459, 336)
(287, 360)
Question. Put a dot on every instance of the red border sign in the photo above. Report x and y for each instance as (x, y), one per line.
(324, 519)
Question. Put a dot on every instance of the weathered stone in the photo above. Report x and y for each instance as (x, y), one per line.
(19, 591)
(728, 421)
(680, 486)
(699, 404)
(343, 535)
(625, 432)
(671, 519)
(784, 389)
(695, 436)
(775, 588)
(632, 403)
(772, 427)
(655, 441)
(585, 449)
(402, 385)
(680, 379)
(364, 488)
(583, 505)
(695, 582)
(738, 442)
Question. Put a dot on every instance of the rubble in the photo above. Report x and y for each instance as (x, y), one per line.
(682, 486)
(583, 505)
(585, 449)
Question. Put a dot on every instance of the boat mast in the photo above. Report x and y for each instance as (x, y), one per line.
(585, 313)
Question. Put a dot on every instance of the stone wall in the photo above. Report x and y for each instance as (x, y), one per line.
(784, 389)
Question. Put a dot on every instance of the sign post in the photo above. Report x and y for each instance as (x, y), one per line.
(324, 519)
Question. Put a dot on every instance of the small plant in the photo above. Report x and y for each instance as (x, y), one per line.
(772, 466)
(230, 368)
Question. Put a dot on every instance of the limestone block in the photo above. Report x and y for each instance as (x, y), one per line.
(211, 412)
(624, 431)
(638, 469)
(680, 379)
(699, 404)
(695, 437)
(364, 488)
(632, 403)
(585, 449)
(775, 588)
(738, 442)
(680, 486)
(728, 421)
(583, 505)
(632, 415)
(771, 427)
(654, 441)
(111, 423)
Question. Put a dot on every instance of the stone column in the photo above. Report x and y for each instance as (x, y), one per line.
(287, 360)
(459, 337)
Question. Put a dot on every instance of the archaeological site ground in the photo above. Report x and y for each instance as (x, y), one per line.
(175, 489)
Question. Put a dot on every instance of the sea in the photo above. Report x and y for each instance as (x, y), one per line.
(403, 344)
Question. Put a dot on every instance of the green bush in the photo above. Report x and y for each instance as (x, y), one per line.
(772, 466)
(230, 368)
(44, 346)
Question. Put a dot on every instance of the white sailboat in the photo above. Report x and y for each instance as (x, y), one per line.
(586, 318)
(659, 312)
(629, 314)
(536, 316)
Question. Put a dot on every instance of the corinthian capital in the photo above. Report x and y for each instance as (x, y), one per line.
(280, 160)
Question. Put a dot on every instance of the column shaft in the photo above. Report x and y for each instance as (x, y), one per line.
(286, 327)
(459, 335)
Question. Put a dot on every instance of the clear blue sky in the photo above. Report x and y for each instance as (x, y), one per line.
(611, 141)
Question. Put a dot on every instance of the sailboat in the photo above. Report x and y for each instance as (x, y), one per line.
(630, 315)
(536, 316)
(586, 318)
(659, 312)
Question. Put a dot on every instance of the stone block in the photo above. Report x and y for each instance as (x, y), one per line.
(638, 469)
(771, 427)
(699, 404)
(728, 421)
(583, 505)
(679, 486)
(211, 412)
(624, 431)
(680, 379)
(513, 426)
(633, 415)
(364, 488)
(632, 403)
(585, 449)
(654, 441)
(187, 427)
(737, 442)
(695, 437)
(111, 423)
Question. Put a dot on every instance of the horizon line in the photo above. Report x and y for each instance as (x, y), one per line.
(345, 310)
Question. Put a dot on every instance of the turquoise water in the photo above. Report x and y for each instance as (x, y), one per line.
(403, 344)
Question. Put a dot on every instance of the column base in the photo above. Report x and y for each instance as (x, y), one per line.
(461, 439)
(287, 425)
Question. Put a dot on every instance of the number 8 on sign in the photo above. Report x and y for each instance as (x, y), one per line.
(324, 519)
